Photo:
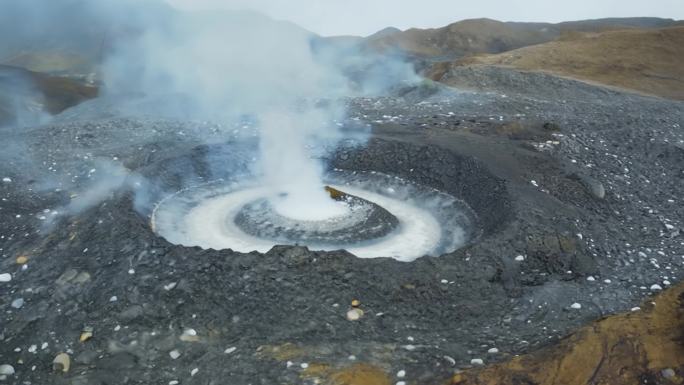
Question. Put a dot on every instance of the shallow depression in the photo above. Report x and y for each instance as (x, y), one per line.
(430, 222)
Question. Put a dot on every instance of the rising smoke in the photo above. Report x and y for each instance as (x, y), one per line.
(223, 66)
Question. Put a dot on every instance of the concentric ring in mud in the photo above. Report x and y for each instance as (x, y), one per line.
(387, 217)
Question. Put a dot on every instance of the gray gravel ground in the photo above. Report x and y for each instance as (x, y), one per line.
(578, 190)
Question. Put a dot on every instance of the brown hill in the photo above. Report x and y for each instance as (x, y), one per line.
(490, 36)
(649, 61)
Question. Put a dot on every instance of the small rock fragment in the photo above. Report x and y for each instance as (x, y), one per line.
(354, 314)
(477, 361)
(401, 374)
(87, 334)
(493, 351)
(5, 277)
(174, 354)
(22, 260)
(576, 306)
(170, 286)
(61, 363)
(356, 303)
(519, 258)
(18, 303)
(6, 370)
(668, 373)
(230, 350)
(194, 371)
(656, 287)
(189, 335)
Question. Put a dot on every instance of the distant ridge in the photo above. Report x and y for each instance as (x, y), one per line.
(644, 60)
(483, 35)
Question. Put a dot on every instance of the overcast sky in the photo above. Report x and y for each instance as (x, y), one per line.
(364, 17)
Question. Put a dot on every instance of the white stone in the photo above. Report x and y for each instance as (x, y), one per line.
(304, 365)
(7, 180)
(6, 370)
(666, 283)
(174, 354)
(636, 308)
(520, 258)
(444, 281)
(190, 332)
(607, 281)
(230, 350)
(591, 279)
(113, 299)
(170, 286)
(5, 277)
(656, 287)
(174, 382)
(354, 314)
(44, 346)
(576, 306)
(194, 371)
(32, 348)
(477, 361)
(400, 383)
(401, 374)
(493, 351)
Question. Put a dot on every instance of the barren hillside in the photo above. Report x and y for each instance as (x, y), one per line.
(649, 61)
(491, 36)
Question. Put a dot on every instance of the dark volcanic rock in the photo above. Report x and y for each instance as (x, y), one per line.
(547, 241)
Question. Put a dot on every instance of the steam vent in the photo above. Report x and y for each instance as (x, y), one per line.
(364, 221)
(215, 197)
(377, 213)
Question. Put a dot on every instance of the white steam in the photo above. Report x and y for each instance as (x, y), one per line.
(294, 179)
(229, 66)
(226, 67)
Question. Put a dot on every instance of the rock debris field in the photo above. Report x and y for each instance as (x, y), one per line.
(577, 191)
